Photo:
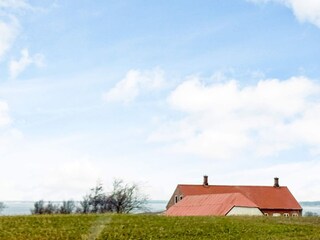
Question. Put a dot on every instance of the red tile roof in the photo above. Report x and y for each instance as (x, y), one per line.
(209, 204)
(265, 197)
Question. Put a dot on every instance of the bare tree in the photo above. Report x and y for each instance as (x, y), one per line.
(67, 207)
(51, 208)
(96, 201)
(84, 205)
(96, 198)
(41, 208)
(126, 198)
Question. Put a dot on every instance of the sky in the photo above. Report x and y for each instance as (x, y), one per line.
(158, 93)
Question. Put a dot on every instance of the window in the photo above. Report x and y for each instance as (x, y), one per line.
(181, 197)
(266, 214)
(286, 214)
(175, 198)
(295, 215)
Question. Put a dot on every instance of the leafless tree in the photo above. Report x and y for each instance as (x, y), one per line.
(40, 207)
(123, 198)
(126, 198)
(96, 201)
(67, 207)
(84, 205)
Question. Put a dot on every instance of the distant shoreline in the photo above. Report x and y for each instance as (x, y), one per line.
(310, 203)
(24, 207)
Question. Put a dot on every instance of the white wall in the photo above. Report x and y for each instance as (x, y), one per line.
(249, 211)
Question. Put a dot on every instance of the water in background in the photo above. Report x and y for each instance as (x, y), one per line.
(17, 208)
(24, 208)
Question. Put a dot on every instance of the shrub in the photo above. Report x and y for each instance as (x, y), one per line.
(41, 208)
(67, 207)
(311, 214)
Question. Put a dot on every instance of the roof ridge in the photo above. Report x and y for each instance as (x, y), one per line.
(210, 194)
(199, 185)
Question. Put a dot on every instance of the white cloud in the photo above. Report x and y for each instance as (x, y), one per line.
(4, 115)
(134, 83)
(9, 24)
(8, 33)
(16, 67)
(75, 179)
(48, 168)
(301, 178)
(304, 10)
(9, 137)
(14, 4)
(8, 134)
(223, 120)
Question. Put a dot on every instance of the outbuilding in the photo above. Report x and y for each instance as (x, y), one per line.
(226, 200)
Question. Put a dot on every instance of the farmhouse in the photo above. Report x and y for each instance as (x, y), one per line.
(222, 200)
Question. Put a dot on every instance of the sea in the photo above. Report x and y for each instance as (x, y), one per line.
(25, 207)
(154, 206)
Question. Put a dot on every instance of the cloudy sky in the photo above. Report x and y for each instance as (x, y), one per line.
(158, 93)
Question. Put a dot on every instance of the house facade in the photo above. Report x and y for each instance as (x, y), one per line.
(273, 200)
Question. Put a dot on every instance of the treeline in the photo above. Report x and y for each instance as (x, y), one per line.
(2, 206)
(311, 214)
(310, 204)
(41, 207)
(124, 198)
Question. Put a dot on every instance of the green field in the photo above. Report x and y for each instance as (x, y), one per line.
(156, 227)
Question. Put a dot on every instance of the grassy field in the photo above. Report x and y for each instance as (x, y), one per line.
(156, 227)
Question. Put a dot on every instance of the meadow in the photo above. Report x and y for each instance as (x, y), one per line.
(119, 227)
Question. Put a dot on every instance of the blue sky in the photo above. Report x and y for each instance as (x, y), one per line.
(159, 93)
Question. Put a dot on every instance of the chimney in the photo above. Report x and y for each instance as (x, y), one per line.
(205, 180)
(276, 182)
